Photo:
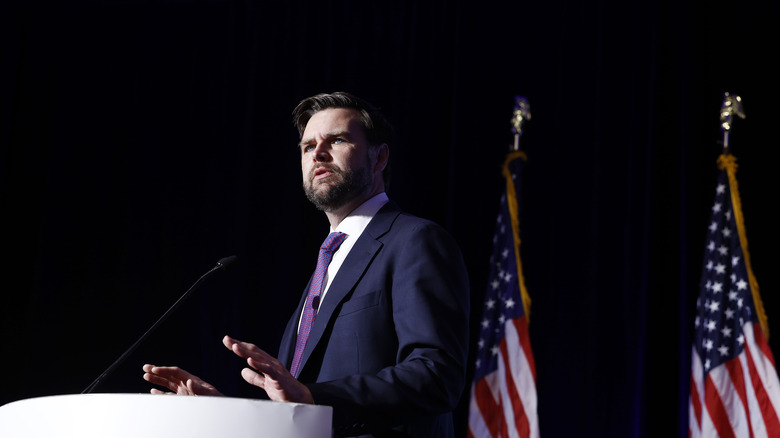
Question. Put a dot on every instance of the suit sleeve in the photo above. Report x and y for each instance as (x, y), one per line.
(425, 279)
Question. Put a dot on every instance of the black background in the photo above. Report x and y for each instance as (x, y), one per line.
(142, 141)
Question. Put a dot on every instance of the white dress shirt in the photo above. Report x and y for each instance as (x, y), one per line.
(353, 226)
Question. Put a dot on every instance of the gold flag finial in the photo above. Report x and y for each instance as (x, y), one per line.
(521, 113)
(731, 105)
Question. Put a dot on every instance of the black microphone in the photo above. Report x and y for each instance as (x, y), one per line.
(223, 263)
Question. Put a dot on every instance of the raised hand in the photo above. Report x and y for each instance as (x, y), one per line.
(178, 381)
(268, 373)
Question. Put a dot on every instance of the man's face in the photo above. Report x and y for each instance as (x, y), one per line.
(335, 159)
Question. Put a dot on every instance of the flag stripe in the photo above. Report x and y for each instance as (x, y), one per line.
(487, 410)
(763, 345)
(695, 407)
(735, 372)
(524, 340)
(718, 413)
(764, 403)
(513, 409)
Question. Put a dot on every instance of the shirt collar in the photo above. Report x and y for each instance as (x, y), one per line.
(358, 219)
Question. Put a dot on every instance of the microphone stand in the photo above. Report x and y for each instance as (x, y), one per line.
(221, 264)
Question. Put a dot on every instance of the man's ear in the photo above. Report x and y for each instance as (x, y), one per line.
(382, 157)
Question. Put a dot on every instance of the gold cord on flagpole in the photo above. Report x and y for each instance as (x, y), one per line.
(521, 113)
(733, 105)
(514, 217)
(729, 162)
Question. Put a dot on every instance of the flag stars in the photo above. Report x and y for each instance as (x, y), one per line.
(510, 303)
(490, 303)
(725, 304)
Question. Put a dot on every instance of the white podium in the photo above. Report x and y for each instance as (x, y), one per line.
(168, 416)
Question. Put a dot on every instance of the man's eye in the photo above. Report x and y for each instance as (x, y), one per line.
(307, 148)
(338, 141)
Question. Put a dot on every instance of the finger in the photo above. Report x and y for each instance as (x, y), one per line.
(190, 385)
(170, 371)
(246, 351)
(263, 367)
(253, 377)
(170, 383)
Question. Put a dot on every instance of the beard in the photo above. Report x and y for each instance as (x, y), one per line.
(342, 187)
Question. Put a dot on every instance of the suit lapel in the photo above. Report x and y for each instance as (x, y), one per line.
(355, 265)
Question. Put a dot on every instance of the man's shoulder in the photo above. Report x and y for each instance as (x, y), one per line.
(391, 211)
(392, 219)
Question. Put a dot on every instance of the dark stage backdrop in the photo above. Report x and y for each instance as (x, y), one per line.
(142, 141)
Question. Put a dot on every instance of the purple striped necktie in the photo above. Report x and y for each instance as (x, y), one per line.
(329, 246)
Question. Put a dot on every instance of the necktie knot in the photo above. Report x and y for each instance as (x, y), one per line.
(333, 241)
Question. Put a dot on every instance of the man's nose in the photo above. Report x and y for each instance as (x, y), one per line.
(321, 152)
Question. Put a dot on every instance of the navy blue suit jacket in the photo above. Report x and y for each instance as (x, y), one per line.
(388, 348)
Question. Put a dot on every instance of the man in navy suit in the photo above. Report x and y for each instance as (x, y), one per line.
(388, 346)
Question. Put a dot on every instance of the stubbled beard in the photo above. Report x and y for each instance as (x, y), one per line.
(342, 188)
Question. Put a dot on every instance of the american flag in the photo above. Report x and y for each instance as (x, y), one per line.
(503, 394)
(734, 384)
